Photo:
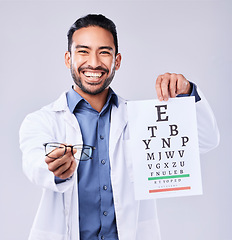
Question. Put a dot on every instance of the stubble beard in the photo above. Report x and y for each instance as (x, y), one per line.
(77, 80)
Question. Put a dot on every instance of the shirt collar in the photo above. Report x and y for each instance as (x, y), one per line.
(73, 98)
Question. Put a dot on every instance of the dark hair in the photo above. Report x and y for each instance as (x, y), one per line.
(93, 20)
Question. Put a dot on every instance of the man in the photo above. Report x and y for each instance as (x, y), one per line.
(93, 198)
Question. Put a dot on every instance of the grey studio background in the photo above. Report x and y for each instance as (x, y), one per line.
(189, 37)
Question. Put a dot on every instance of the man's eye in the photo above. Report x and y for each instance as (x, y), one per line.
(105, 53)
(82, 51)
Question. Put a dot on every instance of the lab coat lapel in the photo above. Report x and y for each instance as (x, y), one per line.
(72, 125)
(73, 132)
(118, 123)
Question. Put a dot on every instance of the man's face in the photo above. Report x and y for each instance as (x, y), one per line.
(92, 60)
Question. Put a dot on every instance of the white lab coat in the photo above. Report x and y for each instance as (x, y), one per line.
(57, 217)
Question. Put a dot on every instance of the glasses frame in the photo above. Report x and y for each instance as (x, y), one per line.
(68, 146)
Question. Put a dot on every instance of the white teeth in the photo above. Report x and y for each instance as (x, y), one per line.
(92, 74)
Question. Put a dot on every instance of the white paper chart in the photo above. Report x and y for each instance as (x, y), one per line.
(164, 148)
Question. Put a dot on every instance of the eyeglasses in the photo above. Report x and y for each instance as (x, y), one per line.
(83, 152)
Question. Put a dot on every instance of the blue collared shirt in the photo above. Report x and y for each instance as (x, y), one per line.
(96, 206)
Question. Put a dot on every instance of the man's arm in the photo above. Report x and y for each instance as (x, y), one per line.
(36, 129)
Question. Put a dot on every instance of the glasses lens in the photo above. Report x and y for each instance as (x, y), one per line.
(83, 153)
(86, 153)
(51, 147)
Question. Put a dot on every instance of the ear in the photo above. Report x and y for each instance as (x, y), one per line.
(67, 58)
(118, 61)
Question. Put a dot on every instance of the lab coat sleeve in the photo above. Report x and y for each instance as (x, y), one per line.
(208, 133)
(37, 129)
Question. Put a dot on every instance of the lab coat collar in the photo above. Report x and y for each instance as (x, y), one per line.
(60, 104)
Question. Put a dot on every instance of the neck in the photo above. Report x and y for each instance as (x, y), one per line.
(97, 101)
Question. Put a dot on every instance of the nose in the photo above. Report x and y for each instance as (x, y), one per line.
(94, 60)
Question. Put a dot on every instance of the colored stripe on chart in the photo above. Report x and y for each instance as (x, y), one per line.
(169, 189)
(169, 177)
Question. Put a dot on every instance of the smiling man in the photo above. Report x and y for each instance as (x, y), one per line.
(76, 148)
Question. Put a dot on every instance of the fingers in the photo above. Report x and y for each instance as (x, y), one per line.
(57, 153)
(173, 85)
(64, 166)
(165, 87)
(66, 170)
(158, 88)
(183, 87)
(170, 85)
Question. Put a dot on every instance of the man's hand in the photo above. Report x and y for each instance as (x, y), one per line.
(170, 85)
(62, 167)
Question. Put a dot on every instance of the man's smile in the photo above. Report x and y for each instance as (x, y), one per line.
(96, 75)
(93, 75)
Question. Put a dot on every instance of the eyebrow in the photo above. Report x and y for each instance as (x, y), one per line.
(106, 47)
(100, 48)
(82, 46)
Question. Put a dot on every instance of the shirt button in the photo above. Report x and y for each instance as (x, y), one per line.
(103, 161)
(101, 137)
(105, 187)
(102, 237)
(105, 213)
